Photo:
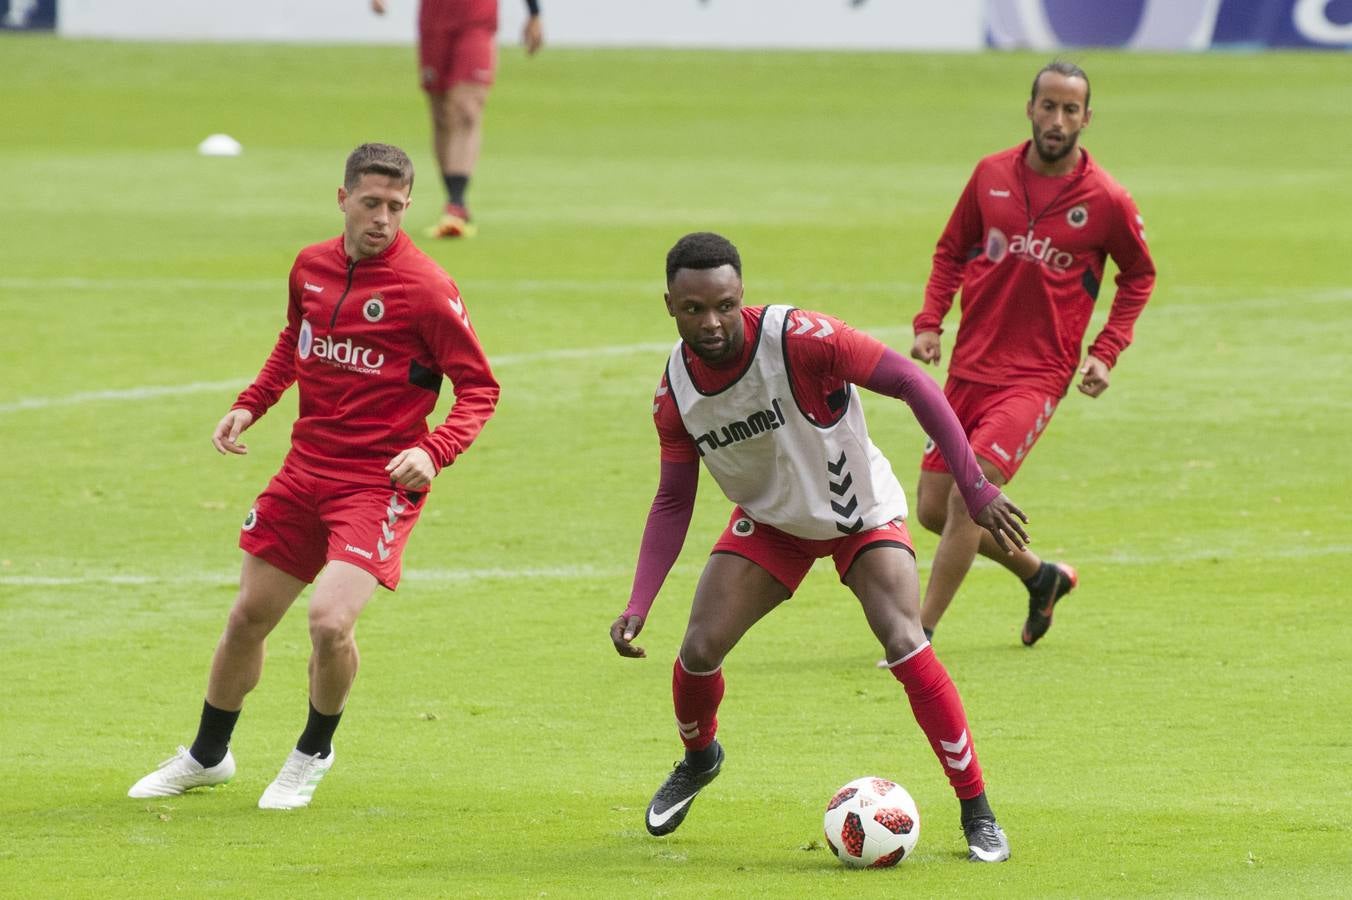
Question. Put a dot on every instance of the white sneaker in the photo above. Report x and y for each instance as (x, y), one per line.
(180, 773)
(295, 784)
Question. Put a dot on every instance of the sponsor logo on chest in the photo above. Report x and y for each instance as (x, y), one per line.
(1028, 247)
(760, 422)
(347, 354)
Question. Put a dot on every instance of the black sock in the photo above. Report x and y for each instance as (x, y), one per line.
(703, 760)
(1038, 583)
(976, 808)
(456, 185)
(213, 735)
(318, 734)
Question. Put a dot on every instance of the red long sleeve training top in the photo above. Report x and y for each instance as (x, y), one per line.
(1028, 252)
(369, 343)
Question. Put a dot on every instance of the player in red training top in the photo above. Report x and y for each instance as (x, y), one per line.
(1026, 244)
(457, 57)
(766, 397)
(373, 326)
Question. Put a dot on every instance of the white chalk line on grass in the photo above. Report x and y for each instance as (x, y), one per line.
(587, 572)
(154, 391)
(428, 576)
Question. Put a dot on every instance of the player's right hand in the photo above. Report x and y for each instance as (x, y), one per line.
(926, 347)
(378, 7)
(622, 633)
(226, 436)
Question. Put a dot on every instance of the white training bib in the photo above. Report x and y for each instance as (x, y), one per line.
(812, 481)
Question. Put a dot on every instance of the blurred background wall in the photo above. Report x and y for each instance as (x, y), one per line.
(835, 24)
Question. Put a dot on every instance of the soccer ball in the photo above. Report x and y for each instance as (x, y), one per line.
(872, 822)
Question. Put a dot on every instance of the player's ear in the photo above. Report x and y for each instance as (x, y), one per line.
(671, 310)
(1088, 114)
(342, 197)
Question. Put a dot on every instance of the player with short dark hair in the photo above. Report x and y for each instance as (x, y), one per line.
(373, 326)
(765, 396)
(457, 61)
(378, 159)
(1026, 244)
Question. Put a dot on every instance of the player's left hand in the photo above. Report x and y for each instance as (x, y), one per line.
(412, 468)
(533, 35)
(1095, 380)
(622, 633)
(1005, 522)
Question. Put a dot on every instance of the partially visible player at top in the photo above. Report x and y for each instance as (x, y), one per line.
(766, 397)
(372, 328)
(1026, 244)
(457, 59)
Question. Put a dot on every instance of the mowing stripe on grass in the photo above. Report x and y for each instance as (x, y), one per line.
(566, 573)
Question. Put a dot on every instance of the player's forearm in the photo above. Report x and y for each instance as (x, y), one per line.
(896, 376)
(961, 234)
(944, 281)
(1133, 290)
(664, 534)
(473, 407)
(277, 374)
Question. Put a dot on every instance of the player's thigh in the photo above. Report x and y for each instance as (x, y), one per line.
(341, 593)
(885, 580)
(931, 498)
(265, 594)
(733, 594)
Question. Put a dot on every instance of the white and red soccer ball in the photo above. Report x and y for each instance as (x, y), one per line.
(872, 823)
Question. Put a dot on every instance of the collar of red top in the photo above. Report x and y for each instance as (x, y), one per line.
(401, 241)
(1085, 166)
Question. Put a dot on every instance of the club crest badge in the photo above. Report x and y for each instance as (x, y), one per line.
(251, 519)
(744, 527)
(374, 308)
(1077, 216)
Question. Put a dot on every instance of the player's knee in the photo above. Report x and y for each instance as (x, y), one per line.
(330, 629)
(702, 653)
(465, 112)
(248, 621)
(903, 640)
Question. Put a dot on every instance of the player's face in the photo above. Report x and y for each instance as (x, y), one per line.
(707, 307)
(372, 213)
(1058, 112)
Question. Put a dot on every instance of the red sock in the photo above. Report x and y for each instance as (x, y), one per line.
(697, 698)
(938, 710)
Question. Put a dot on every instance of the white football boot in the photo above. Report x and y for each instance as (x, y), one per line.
(180, 773)
(295, 785)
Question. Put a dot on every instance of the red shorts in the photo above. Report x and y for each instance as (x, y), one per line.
(1002, 423)
(788, 558)
(451, 53)
(302, 521)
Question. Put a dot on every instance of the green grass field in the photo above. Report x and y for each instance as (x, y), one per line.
(1183, 731)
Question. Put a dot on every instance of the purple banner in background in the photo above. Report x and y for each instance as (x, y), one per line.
(1169, 24)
